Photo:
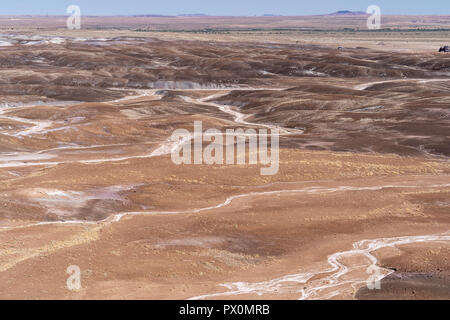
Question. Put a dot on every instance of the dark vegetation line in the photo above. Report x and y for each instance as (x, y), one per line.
(218, 30)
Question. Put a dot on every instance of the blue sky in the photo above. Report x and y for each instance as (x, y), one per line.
(224, 7)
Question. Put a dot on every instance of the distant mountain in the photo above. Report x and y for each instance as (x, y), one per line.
(150, 15)
(193, 15)
(347, 13)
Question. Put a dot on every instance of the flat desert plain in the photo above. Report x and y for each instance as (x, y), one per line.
(359, 208)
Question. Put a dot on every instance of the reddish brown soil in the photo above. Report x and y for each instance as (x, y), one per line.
(372, 163)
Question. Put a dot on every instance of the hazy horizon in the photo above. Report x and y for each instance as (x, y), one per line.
(229, 8)
(199, 14)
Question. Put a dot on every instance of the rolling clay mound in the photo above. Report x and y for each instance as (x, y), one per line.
(82, 72)
(88, 179)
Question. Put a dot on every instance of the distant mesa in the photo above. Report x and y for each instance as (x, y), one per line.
(193, 15)
(347, 13)
(151, 16)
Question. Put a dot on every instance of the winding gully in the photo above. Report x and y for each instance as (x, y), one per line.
(321, 284)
